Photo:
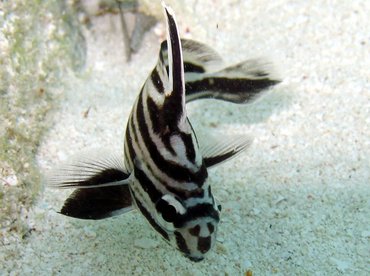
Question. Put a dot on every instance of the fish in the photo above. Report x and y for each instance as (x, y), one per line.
(163, 170)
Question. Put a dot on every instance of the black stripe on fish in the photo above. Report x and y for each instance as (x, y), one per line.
(204, 244)
(158, 124)
(152, 222)
(128, 159)
(185, 194)
(175, 171)
(166, 139)
(147, 184)
(130, 140)
(198, 211)
(168, 211)
(192, 68)
(181, 243)
(155, 116)
(211, 227)
(230, 89)
(189, 146)
(157, 81)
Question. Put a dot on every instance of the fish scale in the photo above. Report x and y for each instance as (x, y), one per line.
(164, 173)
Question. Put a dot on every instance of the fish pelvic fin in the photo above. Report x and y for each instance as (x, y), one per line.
(101, 181)
(91, 169)
(98, 203)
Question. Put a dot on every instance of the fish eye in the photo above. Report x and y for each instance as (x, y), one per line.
(170, 207)
(219, 207)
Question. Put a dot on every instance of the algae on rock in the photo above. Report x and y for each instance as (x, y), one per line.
(39, 41)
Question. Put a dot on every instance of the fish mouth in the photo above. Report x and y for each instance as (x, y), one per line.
(194, 258)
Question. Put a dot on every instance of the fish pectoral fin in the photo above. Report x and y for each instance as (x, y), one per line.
(98, 203)
(91, 169)
(240, 83)
(218, 150)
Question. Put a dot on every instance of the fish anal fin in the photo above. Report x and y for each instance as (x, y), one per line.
(98, 203)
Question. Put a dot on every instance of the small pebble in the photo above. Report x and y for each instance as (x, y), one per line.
(341, 266)
(365, 234)
(255, 212)
(146, 243)
(220, 239)
(247, 264)
(89, 233)
(221, 249)
(10, 180)
(279, 200)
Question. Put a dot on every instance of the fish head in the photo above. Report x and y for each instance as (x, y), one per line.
(191, 224)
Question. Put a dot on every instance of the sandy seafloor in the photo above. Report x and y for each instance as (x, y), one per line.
(296, 203)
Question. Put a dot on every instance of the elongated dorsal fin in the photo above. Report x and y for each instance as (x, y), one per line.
(174, 104)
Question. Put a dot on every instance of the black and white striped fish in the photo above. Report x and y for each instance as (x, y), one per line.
(165, 169)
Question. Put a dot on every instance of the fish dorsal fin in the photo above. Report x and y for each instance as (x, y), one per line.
(197, 57)
(174, 104)
(216, 150)
(241, 83)
(159, 75)
(91, 169)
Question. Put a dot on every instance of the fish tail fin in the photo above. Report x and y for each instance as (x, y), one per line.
(240, 83)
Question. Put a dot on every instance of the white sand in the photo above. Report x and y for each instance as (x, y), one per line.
(297, 203)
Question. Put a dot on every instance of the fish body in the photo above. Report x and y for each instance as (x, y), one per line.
(164, 173)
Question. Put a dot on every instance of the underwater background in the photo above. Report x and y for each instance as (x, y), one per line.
(296, 203)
